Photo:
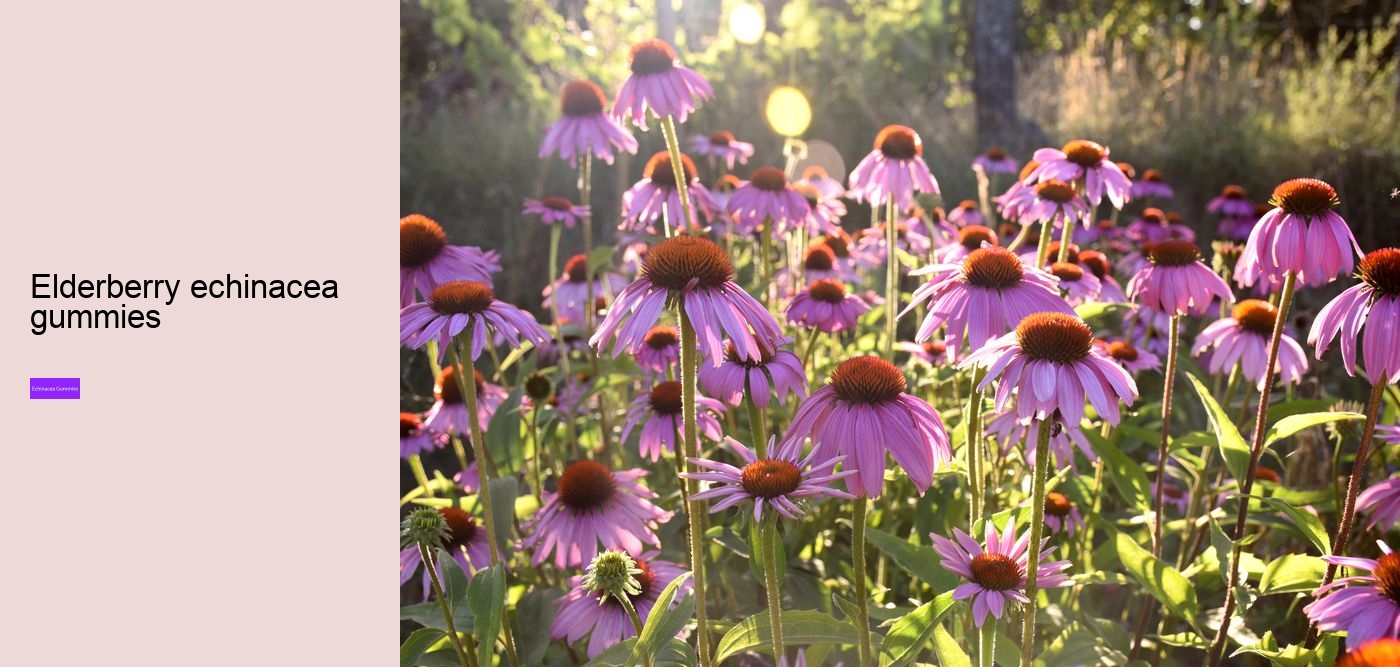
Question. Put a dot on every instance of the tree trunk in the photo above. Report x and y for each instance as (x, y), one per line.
(994, 71)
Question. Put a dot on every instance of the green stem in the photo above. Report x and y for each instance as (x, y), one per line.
(555, 231)
(673, 147)
(891, 278)
(757, 427)
(975, 457)
(1217, 649)
(1066, 237)
(861, 504)
(468, 388)
(428, 562)
(987, 643)
(1358, 473)
(1173, 341)
(415, 462)
(773, 583)
(585, 192)
(1042, 462)
(690, 356)
(631, 610)
(1042, 251)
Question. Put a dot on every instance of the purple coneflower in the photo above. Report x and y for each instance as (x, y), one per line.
(465, 543)
(449, 414)
(1128, 356)
(583, 127)
(1177, 282)
(722, 145)
(932, 352)
(1243, 338)
(553, 210)
(995, 161)
(909, 237)
(1301, 234)
(413, 438)
(864, 412)
(1012, 202)
(766, 198)
(1089, 161)
(825, 213)
(660, 350)
(780, 481)
(1097, 263)
(894, 170)
(1011, 431)
(966, 213)
(1054, 202)
(453, 307)
(1369, 610)
(697, 274)
(572, 289)
(426, 261)
(996, 572)
(658, 412)
(830, 188)
(720, 193)
(970, 237)
(1151, 185)
(1079, 286)
(1382, 501)
(1389, 434)
(1232, 203)
(1155, 226)
(779, 372)
(1061, 514)
(825, 305)
(656, 199)
(584, 613)
(594, 505)
(659, 84)
(1373, 304)
(1051, 357)
(983, 296)
(818, 262)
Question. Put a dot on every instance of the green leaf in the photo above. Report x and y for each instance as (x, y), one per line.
(1161, 580)
(486, 596)
(1307, 522)
(1290, 425)
(1233, 448)
(847, 607)
(799, 627)
(911, 632)
(1092, 309)
(1223, 548)
(755, 547)
(1292, 573)
(502, 435)
(916, 560)
(1128, 477)
(1185, 640)
(674, 652)
(504, 491)
(1295, 655)
(665, 621)
(949, 653)
(418, 644)
(533, 615)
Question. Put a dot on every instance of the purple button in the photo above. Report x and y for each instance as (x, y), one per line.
(54, 388)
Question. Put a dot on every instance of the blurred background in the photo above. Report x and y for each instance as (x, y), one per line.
(1210, 92)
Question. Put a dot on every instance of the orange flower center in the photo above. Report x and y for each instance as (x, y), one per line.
(819, 257)
(461, 526)
(1122, 351)
(409, 424)
(449, 392)
(827, 290)
(995, 572)
(1383, 652)
(1232, 192)
(1096, 262)
(770, 478)
(666, 398)
(721, 138)
(994, 268)
(770, 179)
(1381, 270)
(577, 268)
(662, 174)
(1174, 253)
(1067, 271)
(1305, 196)
(1084, 153)
(461, 297)
(995, 153)
(1055, 337)
(1056, 191)
(420, 240)
(582, 98)
(586, 485)
(652, 56)
(868, 380)
(1057, 504)
(973, 236)
(1256, 316)
(675, 262)
(899, 142)
(1387, 574)
(661, 337)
